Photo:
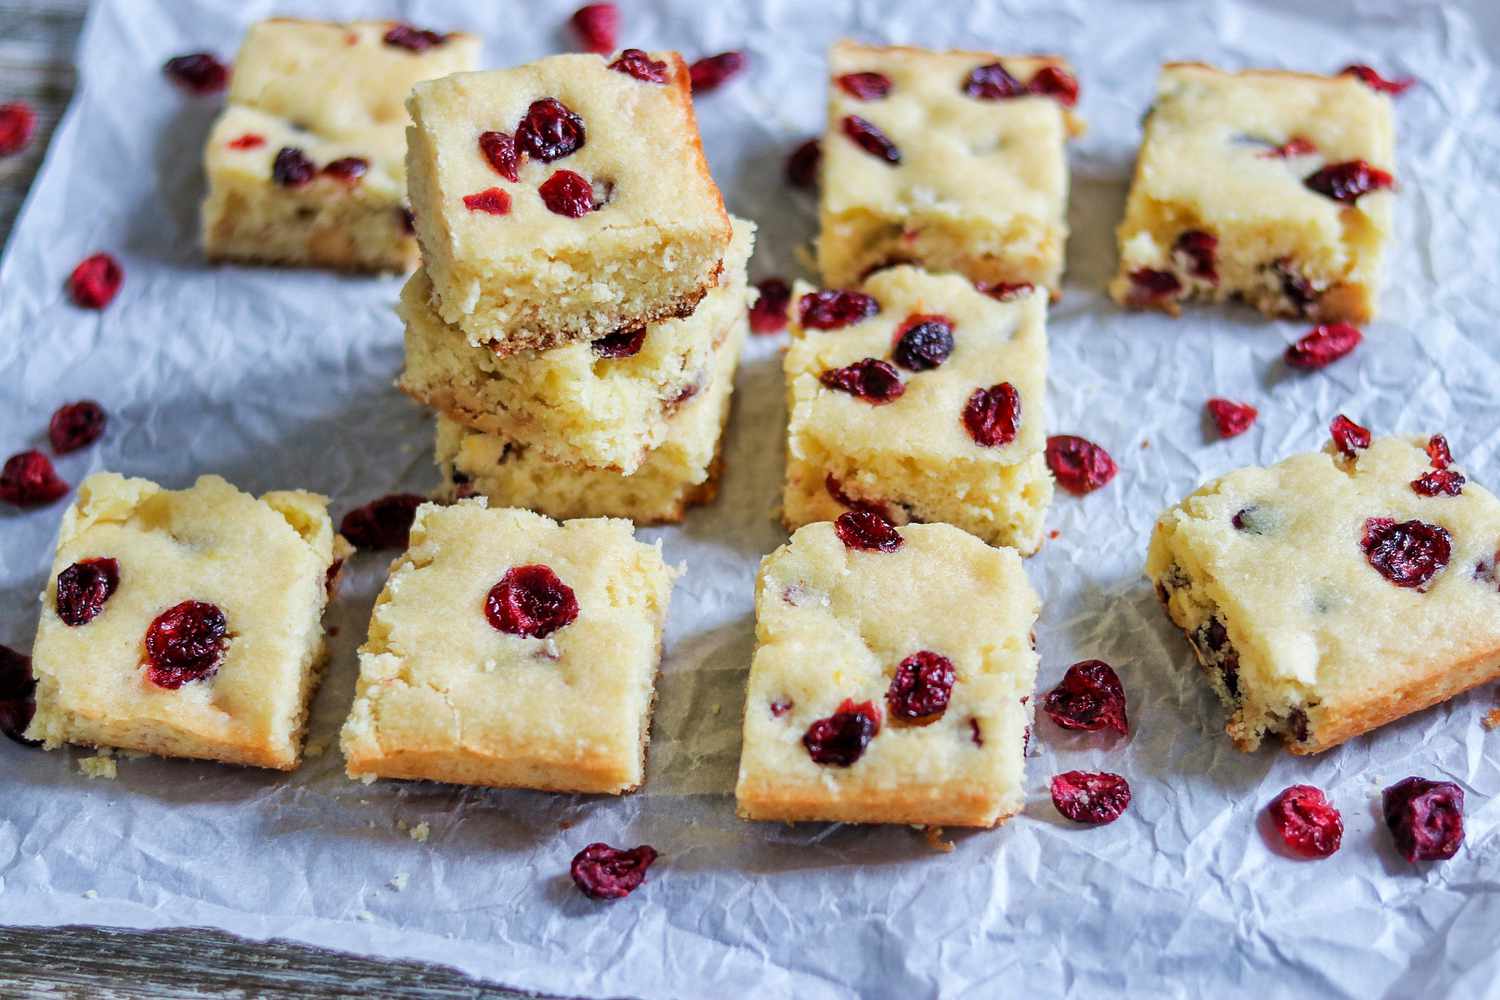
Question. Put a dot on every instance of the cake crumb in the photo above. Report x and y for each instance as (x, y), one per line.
(566, 824)
(1145, 443)
(718, 709)
(315, 748)
(1054, 534)
(398, 881)
(1492, 720)
(934, 838)
(368, 779)
(101, 765)
(91, 894)
(402, 825)
(332, 630)
(420, 832)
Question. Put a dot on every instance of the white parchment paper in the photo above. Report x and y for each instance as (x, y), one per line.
(283, 379)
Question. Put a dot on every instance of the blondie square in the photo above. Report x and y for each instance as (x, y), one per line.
(306, 165)
(891, 680)
(952, 160)
(567, 199)
(608, 405)
(1330, 594)
(1267, 186)
(921, 398)
(682, 472)
(186, 623)
(513, 651)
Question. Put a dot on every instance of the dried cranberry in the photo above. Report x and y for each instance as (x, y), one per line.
(921, 687)
(1297, 289)
(1005, 291)
(867, 531)
(1080, 465)
(1200, 249)
(865, 86)
(1346, 182)
(869, 379)
(198, 73)
(530, 601)
(781, 707)
(768, 315)
(992, 82)
(76, 425)
(836, 491)
(1213, 635)
(625, 344)
(491, 201)
(569, 194)
(868, 136)
(993, 416)
(1306, 821)
(596, 25)
(1408, 554)
(1438, 452)
(249, 140)
(832, 308)
(348, 169)
(640, 65)
(28, 480)
(923, 342)
(1349, 437)
(1096, 798)
(1293, 147)
(550, 131)
(83, 588)
(1439, 482)
(1090, 698)
(185, 643)
(292, 168)
(712, 72)
(1372, 79)
(382, 524)
(1055, 82)
(1323, 345)
(802, 164)
(976, 735)
(841, 738)
(499, 150)
(404, 36)
(1232, 419)
(95, 281)
(17, 695)
(604, 872)
(17, 125)
(1425, 817)
(1148, 286)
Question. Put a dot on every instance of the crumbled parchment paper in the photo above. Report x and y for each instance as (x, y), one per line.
(283, 379)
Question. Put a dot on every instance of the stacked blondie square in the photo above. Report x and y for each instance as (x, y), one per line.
(581, 302)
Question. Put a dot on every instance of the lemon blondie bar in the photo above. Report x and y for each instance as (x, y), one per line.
(1268, 186)
(1334, 592)
(891, 680)
(186, 623)
(306, 165)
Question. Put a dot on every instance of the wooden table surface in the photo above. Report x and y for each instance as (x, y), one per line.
(37, 38)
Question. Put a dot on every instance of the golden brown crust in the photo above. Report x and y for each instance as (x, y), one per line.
(597, 774)
(1274, 74)
(342, 262)
(956, 803)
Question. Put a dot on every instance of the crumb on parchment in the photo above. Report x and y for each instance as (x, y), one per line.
(1492, 720)
(420, 832)
(101, 765)
(934, 837)
(399, 880)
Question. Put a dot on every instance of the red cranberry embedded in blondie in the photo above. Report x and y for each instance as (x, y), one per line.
(865, 86)
(530, 601)
(83, 587)
(832, 308)
(921, 687)
(1408, 554)
(841, 738)
(868, 531)
(923, 342)
(868, 136)
(639, 64)
(993, 416)
(768, 315)
(185, 643)
(568, 194)
(550, 130)
(1349, 437)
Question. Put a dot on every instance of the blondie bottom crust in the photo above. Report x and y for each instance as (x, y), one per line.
(567, 199)
(186, 623)
(1267, 186)
(306, 165)
(513, 651)
(607, 405)
(1329, 594)
(891, 680)
(921, 398)
(952, 160)
(682, 472)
